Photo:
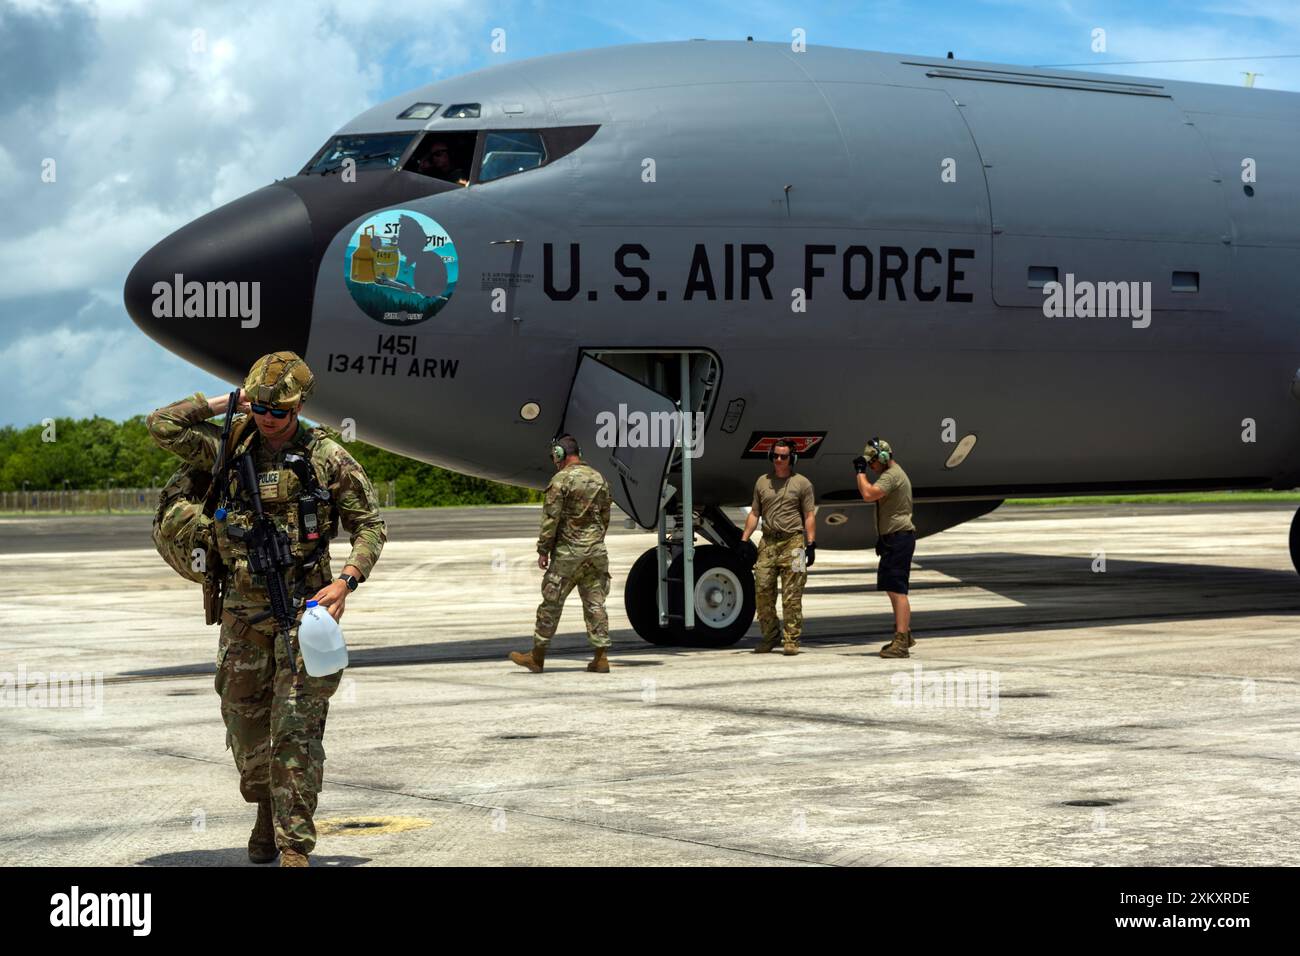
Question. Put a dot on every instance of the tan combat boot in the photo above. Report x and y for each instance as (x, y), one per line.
(790, 648)
(911, 642)
(767, 644)
(534, 660)
(261, 842)
(600, 663)
(898, 646)
(293, 858)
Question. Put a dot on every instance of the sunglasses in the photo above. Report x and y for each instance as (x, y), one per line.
(776, 457)
(268, 410)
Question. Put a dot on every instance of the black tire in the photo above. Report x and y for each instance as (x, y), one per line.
(1295, 541)
(724, 599)
(719, 569)
(641, 599)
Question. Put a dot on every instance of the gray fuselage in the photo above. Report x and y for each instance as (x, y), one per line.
(918, 204)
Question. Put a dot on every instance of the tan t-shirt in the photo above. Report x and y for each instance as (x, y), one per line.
(782, 502)
(894, 511)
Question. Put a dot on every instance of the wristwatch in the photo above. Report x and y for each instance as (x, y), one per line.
(349, 580)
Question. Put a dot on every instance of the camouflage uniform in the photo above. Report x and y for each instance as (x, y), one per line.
(575, 518)
(275, 722)
(780, 559)
(783, 504)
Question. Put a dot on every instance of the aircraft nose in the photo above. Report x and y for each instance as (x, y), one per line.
(232, 285)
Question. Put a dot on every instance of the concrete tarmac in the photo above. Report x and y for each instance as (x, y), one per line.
(1052, 713)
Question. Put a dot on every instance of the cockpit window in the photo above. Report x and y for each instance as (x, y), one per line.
(367, 150)
(511, 151)
(445, 156)
(419, 111)
(461, 111)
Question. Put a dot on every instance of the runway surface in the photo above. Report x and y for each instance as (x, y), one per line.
(1051, 713)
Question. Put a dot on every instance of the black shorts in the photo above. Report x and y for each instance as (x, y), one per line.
(895, 561)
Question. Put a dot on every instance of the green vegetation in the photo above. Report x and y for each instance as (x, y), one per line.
(96, 453)
(419, 485)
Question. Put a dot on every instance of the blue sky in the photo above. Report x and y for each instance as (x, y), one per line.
(158, 111)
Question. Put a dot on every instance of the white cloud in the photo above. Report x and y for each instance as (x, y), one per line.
(83, 371)
(156, 113)
(153, 124)
(150, 132)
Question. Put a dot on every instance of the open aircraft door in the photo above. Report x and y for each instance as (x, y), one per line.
(601, 403)
(637, 416)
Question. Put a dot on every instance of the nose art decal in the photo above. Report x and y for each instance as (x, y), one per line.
(401, 267)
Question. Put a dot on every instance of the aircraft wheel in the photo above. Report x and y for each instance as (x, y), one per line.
(724, 599)
(641, 599)
(1295, 541)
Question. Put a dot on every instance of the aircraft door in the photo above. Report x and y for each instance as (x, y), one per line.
(627, 432)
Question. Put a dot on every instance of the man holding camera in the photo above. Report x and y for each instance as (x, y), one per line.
(891, 490)
(784, 501)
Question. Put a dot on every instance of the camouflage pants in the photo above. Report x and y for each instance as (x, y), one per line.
(590, 575)
(275, 726)
(781, 560)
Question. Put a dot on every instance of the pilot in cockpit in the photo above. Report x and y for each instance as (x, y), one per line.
(436, 160)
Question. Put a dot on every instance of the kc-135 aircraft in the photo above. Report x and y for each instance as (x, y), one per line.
(824, 245)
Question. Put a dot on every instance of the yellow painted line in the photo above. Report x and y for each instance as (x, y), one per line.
(369, 826)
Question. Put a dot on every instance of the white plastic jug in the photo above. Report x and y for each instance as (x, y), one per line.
(321, 641)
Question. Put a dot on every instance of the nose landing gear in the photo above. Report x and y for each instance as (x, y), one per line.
(723, 590)
(724, 599)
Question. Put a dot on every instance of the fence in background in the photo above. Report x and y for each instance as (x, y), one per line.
(114, 500)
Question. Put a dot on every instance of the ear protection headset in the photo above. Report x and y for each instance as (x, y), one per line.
(794, 455)
(558, 452)
(882, 450)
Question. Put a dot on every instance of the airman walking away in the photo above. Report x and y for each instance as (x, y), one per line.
(571, 550)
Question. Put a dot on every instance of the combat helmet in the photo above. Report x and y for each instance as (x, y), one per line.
(279, 379)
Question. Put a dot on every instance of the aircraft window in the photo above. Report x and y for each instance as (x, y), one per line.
(419, 111)
(461, 111)
(445, 156)
(1186, 282)
(1039, 276)
(511, 151)
(369, 150)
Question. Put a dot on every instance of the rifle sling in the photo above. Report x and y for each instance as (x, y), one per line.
(246, 632)
(214, 489)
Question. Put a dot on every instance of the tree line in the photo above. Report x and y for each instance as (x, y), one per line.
(93, 453)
